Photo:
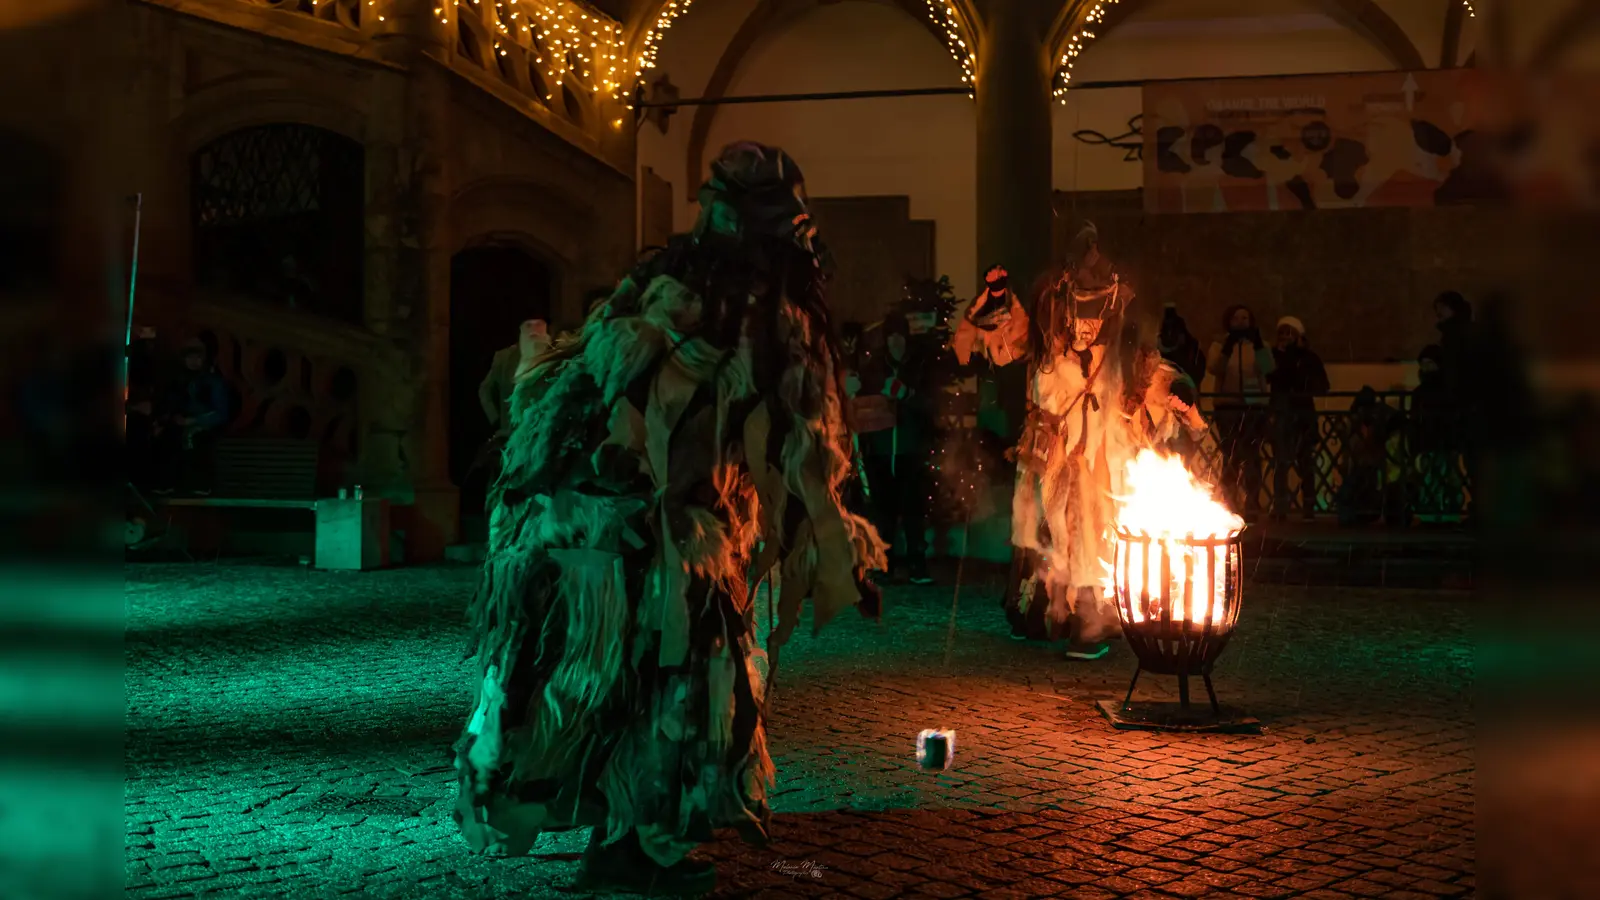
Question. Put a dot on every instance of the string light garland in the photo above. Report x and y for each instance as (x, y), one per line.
(1080, 42)
(943, 15)
(652, 38)
(565, 40)
(1076, 45)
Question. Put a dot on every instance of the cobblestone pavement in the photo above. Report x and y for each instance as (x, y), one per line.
(288, 735)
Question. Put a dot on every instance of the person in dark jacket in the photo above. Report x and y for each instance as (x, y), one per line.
(1179, 347)
(1435, 431)
(1240, 361)
(897, 457)
(1456, 329)
(1368, 489)
(195, 410)
(1297, 378)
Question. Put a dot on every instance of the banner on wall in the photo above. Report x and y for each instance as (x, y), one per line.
(1439, 138)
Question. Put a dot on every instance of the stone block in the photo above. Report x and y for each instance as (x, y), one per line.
(352, 535)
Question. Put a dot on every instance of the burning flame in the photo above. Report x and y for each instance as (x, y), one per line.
(1165, 503)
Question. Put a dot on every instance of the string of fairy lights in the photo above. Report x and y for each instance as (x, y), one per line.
(1080, 40)
(566, 39)
(652, 38)
(943, 15)
(1077, 44)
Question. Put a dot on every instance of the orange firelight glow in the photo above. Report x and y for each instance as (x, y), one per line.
(1165, 504)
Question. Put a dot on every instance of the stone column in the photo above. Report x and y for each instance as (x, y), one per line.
(417, 316)
(1015, 190)
(1015, 214)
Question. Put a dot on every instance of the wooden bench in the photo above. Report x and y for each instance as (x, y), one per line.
(260, 473)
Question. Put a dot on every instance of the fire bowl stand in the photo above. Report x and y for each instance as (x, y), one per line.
(1168, 646)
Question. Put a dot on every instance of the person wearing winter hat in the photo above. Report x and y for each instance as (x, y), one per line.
(1297, 378)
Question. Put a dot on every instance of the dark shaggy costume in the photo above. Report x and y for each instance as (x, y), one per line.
(696, 415)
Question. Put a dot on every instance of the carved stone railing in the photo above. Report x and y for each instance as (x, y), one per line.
(559, 54)
(342, 12)
(559, 62)
(289, 378)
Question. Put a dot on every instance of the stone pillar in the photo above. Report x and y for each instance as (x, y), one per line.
(1015, 214)
(1015, 190)
(417, 315)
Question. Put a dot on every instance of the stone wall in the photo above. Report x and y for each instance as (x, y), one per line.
(1362, 280)
(448, 164)
(876, 246)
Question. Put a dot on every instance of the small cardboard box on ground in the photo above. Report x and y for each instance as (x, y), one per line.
(352, 534)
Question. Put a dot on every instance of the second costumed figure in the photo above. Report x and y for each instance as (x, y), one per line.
(1075, 443)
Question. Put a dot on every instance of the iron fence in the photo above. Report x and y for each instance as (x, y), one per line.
(1362, 457)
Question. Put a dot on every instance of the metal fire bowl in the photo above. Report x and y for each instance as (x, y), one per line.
(1174, 648)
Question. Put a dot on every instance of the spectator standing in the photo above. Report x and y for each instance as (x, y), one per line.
(1435, 426)
(494, 392)
(193, 414)
(1369, 488)
(1240, 362)
(897, 456)
(1454, 315)
(1297, 378)
(1179, 347)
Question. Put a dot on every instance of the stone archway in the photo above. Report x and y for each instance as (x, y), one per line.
(494, 286)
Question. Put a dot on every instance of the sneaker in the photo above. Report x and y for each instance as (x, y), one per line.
(162, 491)
(919, 573)
(202, 492)
(1088, 651)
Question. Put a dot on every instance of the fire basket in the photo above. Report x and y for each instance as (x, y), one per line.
(1177, 579)
(1178, 599)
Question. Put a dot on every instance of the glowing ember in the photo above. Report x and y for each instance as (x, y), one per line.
(1161, 523)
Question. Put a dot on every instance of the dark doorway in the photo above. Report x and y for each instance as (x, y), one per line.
(31, 190)
(493, 290)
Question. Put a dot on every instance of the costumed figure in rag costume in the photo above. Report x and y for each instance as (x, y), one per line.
(1074, 448)
(697, 414)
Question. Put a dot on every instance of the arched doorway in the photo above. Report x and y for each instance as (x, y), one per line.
(493, 289)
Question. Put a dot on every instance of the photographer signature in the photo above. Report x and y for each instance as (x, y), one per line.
(802, 869)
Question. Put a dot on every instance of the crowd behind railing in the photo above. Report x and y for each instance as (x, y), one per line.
(1360, 456)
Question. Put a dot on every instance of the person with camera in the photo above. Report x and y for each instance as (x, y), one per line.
(1240, 363)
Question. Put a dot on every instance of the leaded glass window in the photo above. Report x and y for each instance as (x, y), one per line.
(277, 213)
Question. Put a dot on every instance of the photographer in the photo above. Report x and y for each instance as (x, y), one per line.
(1240, 363)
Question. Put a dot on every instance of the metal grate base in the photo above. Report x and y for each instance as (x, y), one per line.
(1173, 717)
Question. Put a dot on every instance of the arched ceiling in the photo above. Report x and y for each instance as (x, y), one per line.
(770, 17)
(1076, 23)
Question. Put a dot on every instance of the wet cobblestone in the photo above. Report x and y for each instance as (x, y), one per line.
(256, 693)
